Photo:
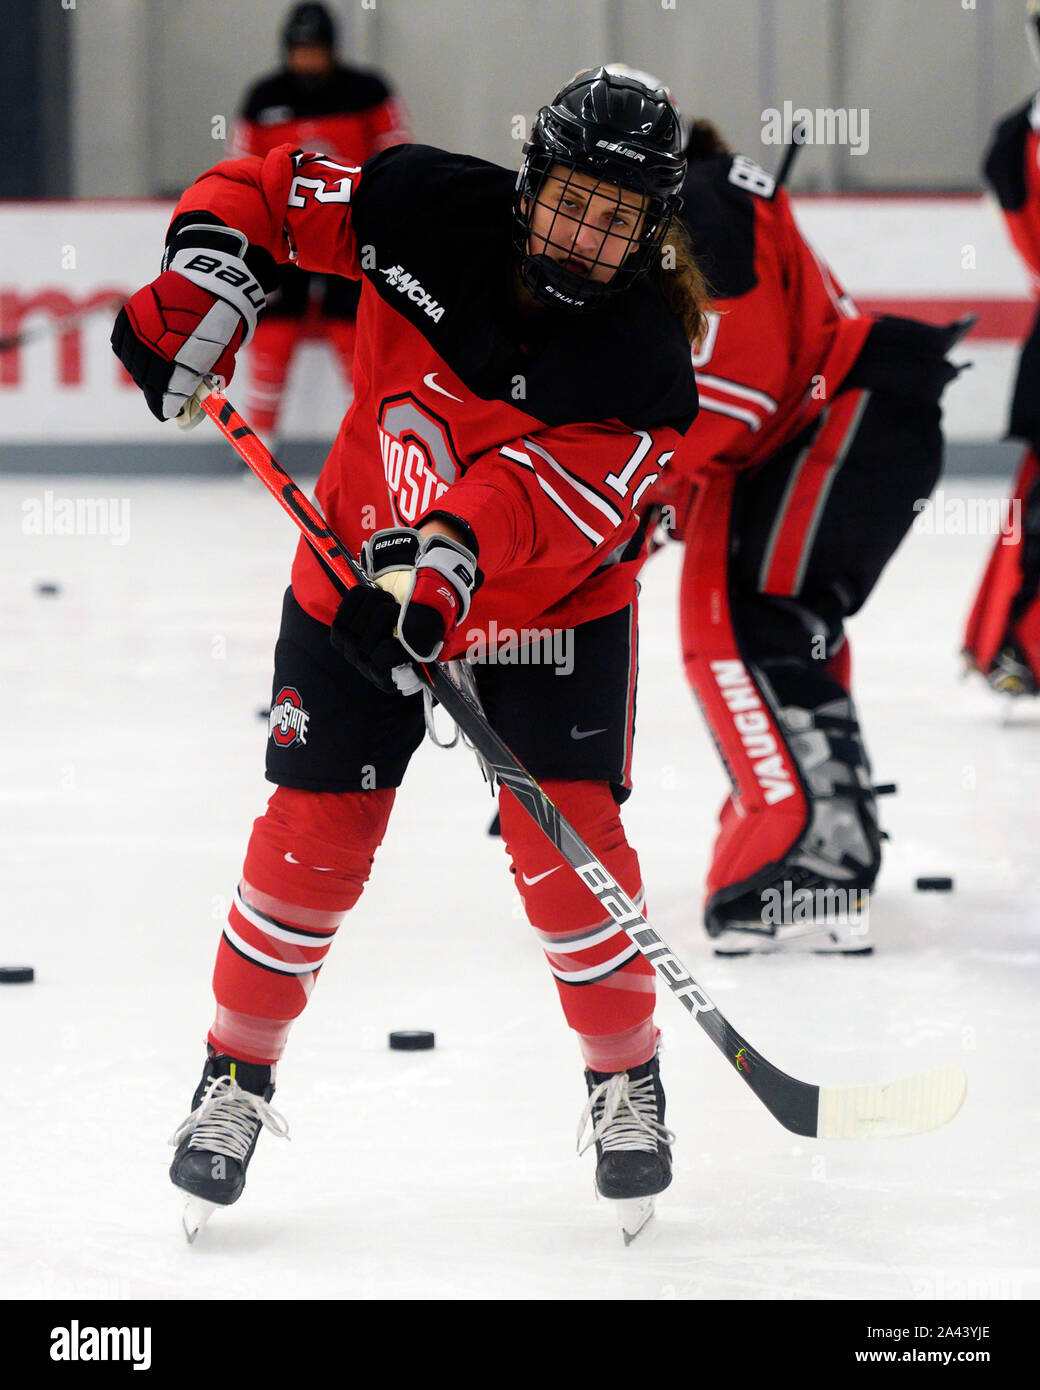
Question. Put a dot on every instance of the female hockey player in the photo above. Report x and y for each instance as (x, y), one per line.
(818, 432)
(1002, 639)
(522, 375)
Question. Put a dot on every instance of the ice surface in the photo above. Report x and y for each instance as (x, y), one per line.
(133, 769)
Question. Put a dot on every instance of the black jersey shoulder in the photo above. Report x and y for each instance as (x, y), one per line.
(439, 229)
(280, 97)
(720, 217)
(1004, 166)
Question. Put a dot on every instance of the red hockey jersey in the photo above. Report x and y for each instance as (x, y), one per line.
(782, 334)
(542, 436)
(350, 117)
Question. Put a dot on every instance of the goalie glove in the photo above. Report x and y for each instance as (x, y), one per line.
(423, 586)
(191, 321)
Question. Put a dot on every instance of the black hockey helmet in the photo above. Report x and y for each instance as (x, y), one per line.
(616, 125)
(309, 23)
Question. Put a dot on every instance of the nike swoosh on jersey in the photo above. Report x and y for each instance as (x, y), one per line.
(430, 381)
(585, 733)
(538, 877)
(290, 860)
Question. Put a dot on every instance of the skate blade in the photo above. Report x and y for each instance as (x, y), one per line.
(633, 1213)
(818, 940)
(197, 1212)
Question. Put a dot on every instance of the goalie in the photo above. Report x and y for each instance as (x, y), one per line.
(818, 431)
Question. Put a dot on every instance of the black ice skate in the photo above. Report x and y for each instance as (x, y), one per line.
(633, 1153)
(817, 898)
(216, 1141)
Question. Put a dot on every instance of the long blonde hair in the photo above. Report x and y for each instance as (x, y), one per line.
(686, 291)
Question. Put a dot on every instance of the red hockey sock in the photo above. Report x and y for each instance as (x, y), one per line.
(270, 353)
(342, 334)
(308, 859)
(606, 986)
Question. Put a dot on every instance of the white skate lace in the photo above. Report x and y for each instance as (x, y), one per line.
(226, 1121)
(624, 1116)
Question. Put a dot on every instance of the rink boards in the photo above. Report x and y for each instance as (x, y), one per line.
(932, 257)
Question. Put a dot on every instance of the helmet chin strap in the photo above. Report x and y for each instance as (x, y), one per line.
(552, 284)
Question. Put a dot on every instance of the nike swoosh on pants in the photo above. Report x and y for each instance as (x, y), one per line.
(538, 877)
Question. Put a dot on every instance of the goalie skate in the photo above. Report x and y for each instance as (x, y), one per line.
(812, 915)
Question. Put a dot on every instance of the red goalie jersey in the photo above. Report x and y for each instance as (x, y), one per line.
(542, 445)
(782, 333)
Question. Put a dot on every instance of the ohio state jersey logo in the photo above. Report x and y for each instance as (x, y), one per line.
(420, 461)
(288, 720)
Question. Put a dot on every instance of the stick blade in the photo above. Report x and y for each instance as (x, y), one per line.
(892, 1109)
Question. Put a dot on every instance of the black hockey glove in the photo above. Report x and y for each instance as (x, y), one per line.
(423, 588)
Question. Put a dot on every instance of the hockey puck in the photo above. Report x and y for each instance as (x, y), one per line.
(47, 590)
(934, 885)
(264, 712)
(16, 975)
(411, 1040)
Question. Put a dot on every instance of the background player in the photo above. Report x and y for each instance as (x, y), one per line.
(1002, 639)
(313, 102)
(819, 429)
(526, 379)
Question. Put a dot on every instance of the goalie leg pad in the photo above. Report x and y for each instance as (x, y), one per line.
(605, 985)
(308, 860)
(801, 814)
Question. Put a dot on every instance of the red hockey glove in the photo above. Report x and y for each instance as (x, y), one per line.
(423, 589)
(192, 320)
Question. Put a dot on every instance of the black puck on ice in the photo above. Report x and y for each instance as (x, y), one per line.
(264, 712)
(16, 975)
(934, 885)
(411, 1040)
(47, 590)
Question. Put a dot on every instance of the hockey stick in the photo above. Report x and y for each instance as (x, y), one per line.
(66, 324)
(907, 1106)
(790, 155)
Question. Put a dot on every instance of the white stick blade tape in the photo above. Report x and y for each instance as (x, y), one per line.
(908, 1106)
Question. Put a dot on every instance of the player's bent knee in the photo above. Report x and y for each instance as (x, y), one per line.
(316, 849)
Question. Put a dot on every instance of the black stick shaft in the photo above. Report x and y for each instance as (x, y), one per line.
(790, 154)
